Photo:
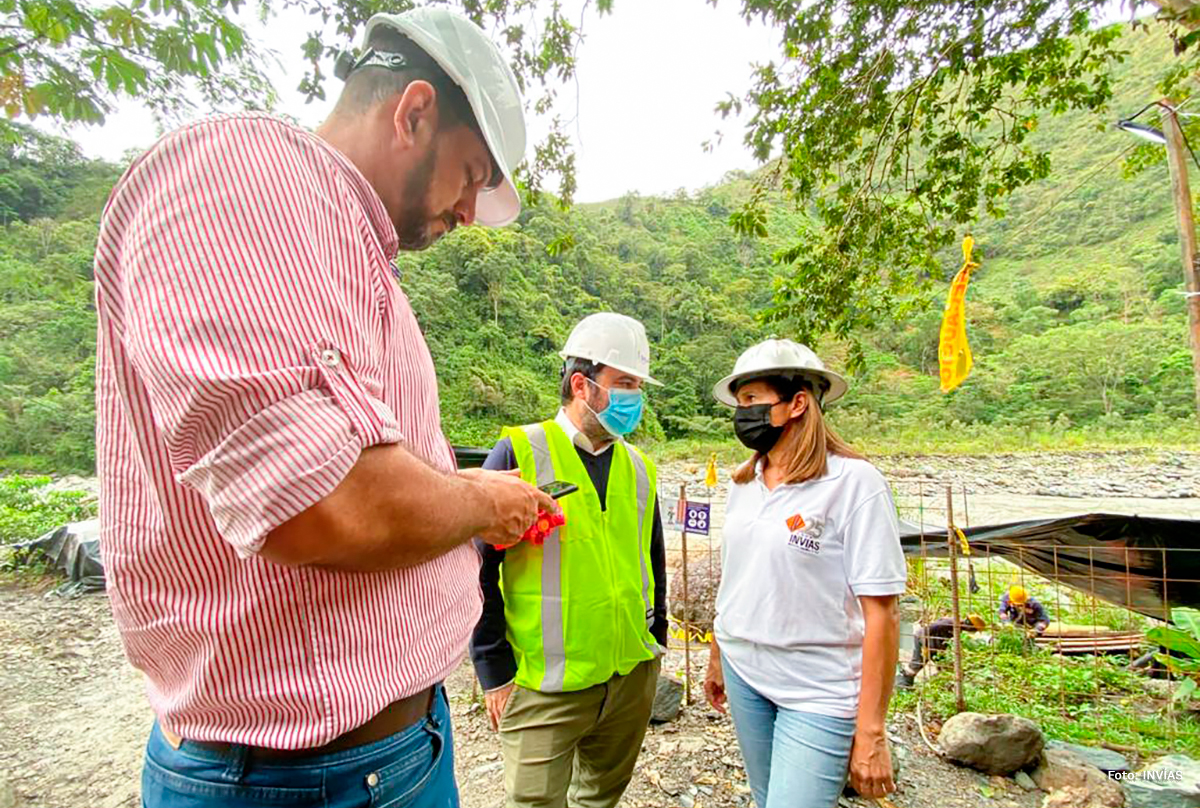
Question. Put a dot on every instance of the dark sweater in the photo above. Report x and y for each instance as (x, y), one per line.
(491, 652)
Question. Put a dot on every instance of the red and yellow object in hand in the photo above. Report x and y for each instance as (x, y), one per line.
(545, 525)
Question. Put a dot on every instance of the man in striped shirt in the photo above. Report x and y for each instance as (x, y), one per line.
(284, 532)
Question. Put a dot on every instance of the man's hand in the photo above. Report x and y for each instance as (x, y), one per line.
(871, 765)
(514, 504)
(496, 701)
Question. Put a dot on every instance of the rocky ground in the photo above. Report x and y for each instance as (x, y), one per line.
(73, 717)
(73, 721)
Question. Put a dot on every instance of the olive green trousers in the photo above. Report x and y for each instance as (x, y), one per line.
(576, 749)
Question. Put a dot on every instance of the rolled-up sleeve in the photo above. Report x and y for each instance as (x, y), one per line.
(254, 322)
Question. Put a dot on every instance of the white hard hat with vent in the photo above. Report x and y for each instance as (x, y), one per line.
(781, 357)
(474, 63)
(614, 340)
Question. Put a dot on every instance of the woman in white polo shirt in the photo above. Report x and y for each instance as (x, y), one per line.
(806, 621)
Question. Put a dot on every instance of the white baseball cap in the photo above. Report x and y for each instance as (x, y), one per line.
(474, 63)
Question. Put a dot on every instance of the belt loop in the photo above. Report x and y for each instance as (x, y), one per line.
(430, 715)
(235, 768)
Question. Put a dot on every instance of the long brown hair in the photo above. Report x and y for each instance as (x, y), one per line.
(806, 441)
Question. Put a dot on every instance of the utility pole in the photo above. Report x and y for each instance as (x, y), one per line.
(1177, 159)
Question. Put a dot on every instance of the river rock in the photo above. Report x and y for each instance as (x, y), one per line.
(1171, 782)
(993, 744)
(668, 700)
(1085, 785)
(1105, 760)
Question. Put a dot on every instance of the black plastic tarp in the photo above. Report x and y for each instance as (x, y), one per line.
(74, 549)
(1146, 564)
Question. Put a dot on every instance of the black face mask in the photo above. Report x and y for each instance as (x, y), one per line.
(754, 429)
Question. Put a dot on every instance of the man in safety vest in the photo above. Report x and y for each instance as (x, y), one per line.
(573, 627)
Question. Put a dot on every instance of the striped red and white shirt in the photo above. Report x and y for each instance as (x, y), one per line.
(252, 341)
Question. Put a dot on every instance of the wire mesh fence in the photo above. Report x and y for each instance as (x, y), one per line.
(1091, 677)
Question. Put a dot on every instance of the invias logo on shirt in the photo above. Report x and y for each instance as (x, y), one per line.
(805, 536)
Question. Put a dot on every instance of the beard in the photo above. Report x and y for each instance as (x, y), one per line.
(592, 429)
(414, 223)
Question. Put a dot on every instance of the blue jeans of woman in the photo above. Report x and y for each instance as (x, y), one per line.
(793, 759)
(412, 769)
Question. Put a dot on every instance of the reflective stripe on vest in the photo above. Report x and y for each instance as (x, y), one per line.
(643, 494)
(553, 643)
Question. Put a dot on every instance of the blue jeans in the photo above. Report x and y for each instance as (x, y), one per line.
(793, 759)
(412, 769)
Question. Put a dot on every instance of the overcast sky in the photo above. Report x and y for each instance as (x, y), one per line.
(649, 75)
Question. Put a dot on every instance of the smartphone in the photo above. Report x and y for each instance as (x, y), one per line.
(558, 488)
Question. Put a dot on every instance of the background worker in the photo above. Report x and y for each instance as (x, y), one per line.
(1018, 608)
(807, 626)
(285, 537)
(572, 630)
(933, 639)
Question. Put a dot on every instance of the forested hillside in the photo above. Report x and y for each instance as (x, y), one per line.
(1076, 316)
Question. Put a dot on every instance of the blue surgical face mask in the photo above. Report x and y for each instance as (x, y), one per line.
(623, 413)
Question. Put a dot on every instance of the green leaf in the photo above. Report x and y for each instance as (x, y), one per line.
(1175, 640)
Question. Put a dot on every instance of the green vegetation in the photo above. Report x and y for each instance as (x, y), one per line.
(27, 509)
(1182, 638)
(1086, 700)
(1076, 317)
(73, 61)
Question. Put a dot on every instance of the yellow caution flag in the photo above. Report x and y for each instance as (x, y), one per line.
(954, 354)
(710, 475)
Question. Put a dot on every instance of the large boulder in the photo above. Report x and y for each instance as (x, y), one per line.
(993, 744)
(668, 700)
(1103, 759)
(1077, 782)
(1171, 782)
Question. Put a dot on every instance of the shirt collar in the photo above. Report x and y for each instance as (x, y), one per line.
(579, 439)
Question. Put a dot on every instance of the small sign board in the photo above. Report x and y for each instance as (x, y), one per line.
(696, 518)
(672, 513)
(685, 515)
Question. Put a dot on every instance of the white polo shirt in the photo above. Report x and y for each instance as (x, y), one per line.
(794, 563)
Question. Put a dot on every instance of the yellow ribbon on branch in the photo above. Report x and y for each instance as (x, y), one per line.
(954, 354)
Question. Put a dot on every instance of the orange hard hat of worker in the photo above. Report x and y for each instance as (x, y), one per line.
(1018, 596)
(977, 621)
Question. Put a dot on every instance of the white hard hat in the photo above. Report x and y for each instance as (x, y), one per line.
(780, 357)
(614, 340)
(474, 63)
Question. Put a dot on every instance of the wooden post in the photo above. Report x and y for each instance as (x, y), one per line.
(952, 539)
(1177, 159)
(687, 605)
